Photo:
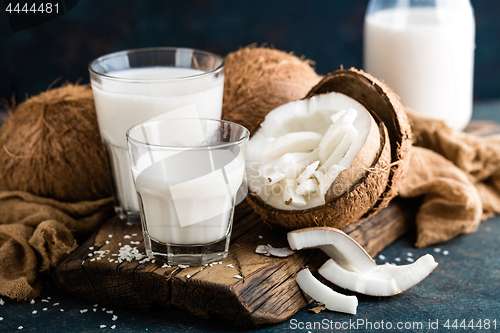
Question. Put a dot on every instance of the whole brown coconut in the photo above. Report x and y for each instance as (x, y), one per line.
(258, 80)
(378, 98)
(51, 147)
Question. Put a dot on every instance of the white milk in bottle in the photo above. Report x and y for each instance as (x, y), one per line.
(424, 51)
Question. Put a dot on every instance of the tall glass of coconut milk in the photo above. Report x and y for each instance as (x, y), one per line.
(134, 86)
(187, 173)
(424, 51)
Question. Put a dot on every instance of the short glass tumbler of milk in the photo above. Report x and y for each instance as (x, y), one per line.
(132, 87)
(424, 51)
(187, 173)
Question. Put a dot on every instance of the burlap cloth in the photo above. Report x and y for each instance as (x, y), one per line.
(37, 233)
(458, 175)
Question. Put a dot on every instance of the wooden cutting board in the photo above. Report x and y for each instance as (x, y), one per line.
(266, 294)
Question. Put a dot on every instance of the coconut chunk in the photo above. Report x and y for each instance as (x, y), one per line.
(336, 244)
(268, 250)
(327, 179)
(331, 140)
(350, 135)
(290, 158)
(308, 172)
(289, 193)
(382, 280)
(308, 187)
(352, 268)
(291, 142)
(319, 175)
(267, 172)
(333, 300)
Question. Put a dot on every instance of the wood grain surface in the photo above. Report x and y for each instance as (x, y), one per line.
(266, 294)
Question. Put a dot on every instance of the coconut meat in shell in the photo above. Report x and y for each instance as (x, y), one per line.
(308, 152)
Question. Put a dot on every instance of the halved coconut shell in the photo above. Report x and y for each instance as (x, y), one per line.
(378, 98)
(345, 209)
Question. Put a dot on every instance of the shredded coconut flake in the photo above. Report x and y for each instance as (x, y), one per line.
(115, 317)
(381, 257)
(183, 266)
(230, 265)
(268, 250)
(2, 302)
(128, 253)
(84, 310)
(34, 312)
(238, 277)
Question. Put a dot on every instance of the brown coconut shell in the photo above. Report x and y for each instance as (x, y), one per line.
(258, 80)
(51, 147)
(343, 210)
(379, 99)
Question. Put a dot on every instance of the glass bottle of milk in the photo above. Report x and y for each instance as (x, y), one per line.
(424, 51)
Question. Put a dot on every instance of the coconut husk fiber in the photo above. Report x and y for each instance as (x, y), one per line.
(259, 79)
(458, 175)
(51, 146)
(37, 233)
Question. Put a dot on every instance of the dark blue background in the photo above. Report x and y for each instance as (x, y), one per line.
(326, 31)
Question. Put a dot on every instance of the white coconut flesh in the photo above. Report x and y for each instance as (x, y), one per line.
(352, 268)
(333, 300)
(336, 244)
(383, 280)
(301, 148)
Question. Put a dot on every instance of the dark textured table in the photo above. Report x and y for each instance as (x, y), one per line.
(462, 294)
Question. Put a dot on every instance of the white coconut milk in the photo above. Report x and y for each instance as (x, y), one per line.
(121, 104)
(426, 55)
(181, 210)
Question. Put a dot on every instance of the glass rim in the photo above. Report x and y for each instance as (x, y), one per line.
(146, 49)
(245, 136)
